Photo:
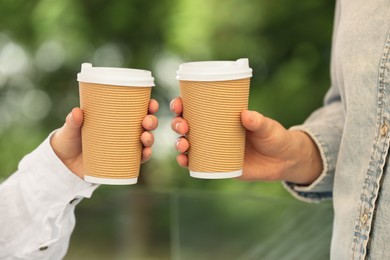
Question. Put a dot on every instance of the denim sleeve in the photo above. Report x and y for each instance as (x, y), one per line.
(325, 127)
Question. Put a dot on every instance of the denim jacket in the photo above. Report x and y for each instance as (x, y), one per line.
(352, 132)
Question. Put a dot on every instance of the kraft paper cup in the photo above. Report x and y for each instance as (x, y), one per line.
(214, 93)
(114, 102)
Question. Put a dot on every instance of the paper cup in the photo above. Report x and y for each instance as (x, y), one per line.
(114, 102)
(214, 93)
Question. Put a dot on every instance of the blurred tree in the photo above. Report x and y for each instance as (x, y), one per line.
(287, 43)
(43, 43)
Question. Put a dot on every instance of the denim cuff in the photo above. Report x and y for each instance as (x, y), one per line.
(321, 188)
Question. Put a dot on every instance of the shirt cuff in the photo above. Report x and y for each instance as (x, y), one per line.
(321, 188)
(48, 180)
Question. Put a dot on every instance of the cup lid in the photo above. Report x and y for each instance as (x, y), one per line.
(214, 70)
(115, 76)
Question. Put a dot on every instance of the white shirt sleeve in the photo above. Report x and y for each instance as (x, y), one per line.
(37, 207)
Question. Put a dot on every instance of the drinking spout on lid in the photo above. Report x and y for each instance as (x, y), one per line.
(243, 62)
(85, 66)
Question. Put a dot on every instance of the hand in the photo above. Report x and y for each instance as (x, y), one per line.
(66, 141)
(271, 151)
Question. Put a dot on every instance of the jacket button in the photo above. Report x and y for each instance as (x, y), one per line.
(43, 248)
(364, 219)
(384, 129)
(73, 201)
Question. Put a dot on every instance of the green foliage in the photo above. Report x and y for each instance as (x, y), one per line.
(288, 45)
(43, 43)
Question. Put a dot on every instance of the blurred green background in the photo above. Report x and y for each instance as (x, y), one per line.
(169, 215)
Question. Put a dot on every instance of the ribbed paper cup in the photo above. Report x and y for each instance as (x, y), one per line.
(114, 102)
(214, 94)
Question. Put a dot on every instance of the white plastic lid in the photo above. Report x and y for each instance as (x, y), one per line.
(115, 76)
(214, 70)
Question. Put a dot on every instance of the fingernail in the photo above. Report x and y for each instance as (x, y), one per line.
(178, 124)
(177, 144)
(172, 106)
(251, 117)
(69, 117)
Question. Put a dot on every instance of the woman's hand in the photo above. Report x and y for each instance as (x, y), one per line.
(66, 141)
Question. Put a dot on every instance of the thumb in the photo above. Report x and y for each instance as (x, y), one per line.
(66, 142)
(259, 125)
(72, 127)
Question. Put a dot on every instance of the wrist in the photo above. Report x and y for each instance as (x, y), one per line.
(306, 164)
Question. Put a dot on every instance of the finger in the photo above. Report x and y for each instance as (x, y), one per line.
(147, 139)
(257, 124)
(176, 106)
(146, 154)
(179, 125)
(72, 127)
(182, 160)
(182, 145)
(153, 106)
(150, 122)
